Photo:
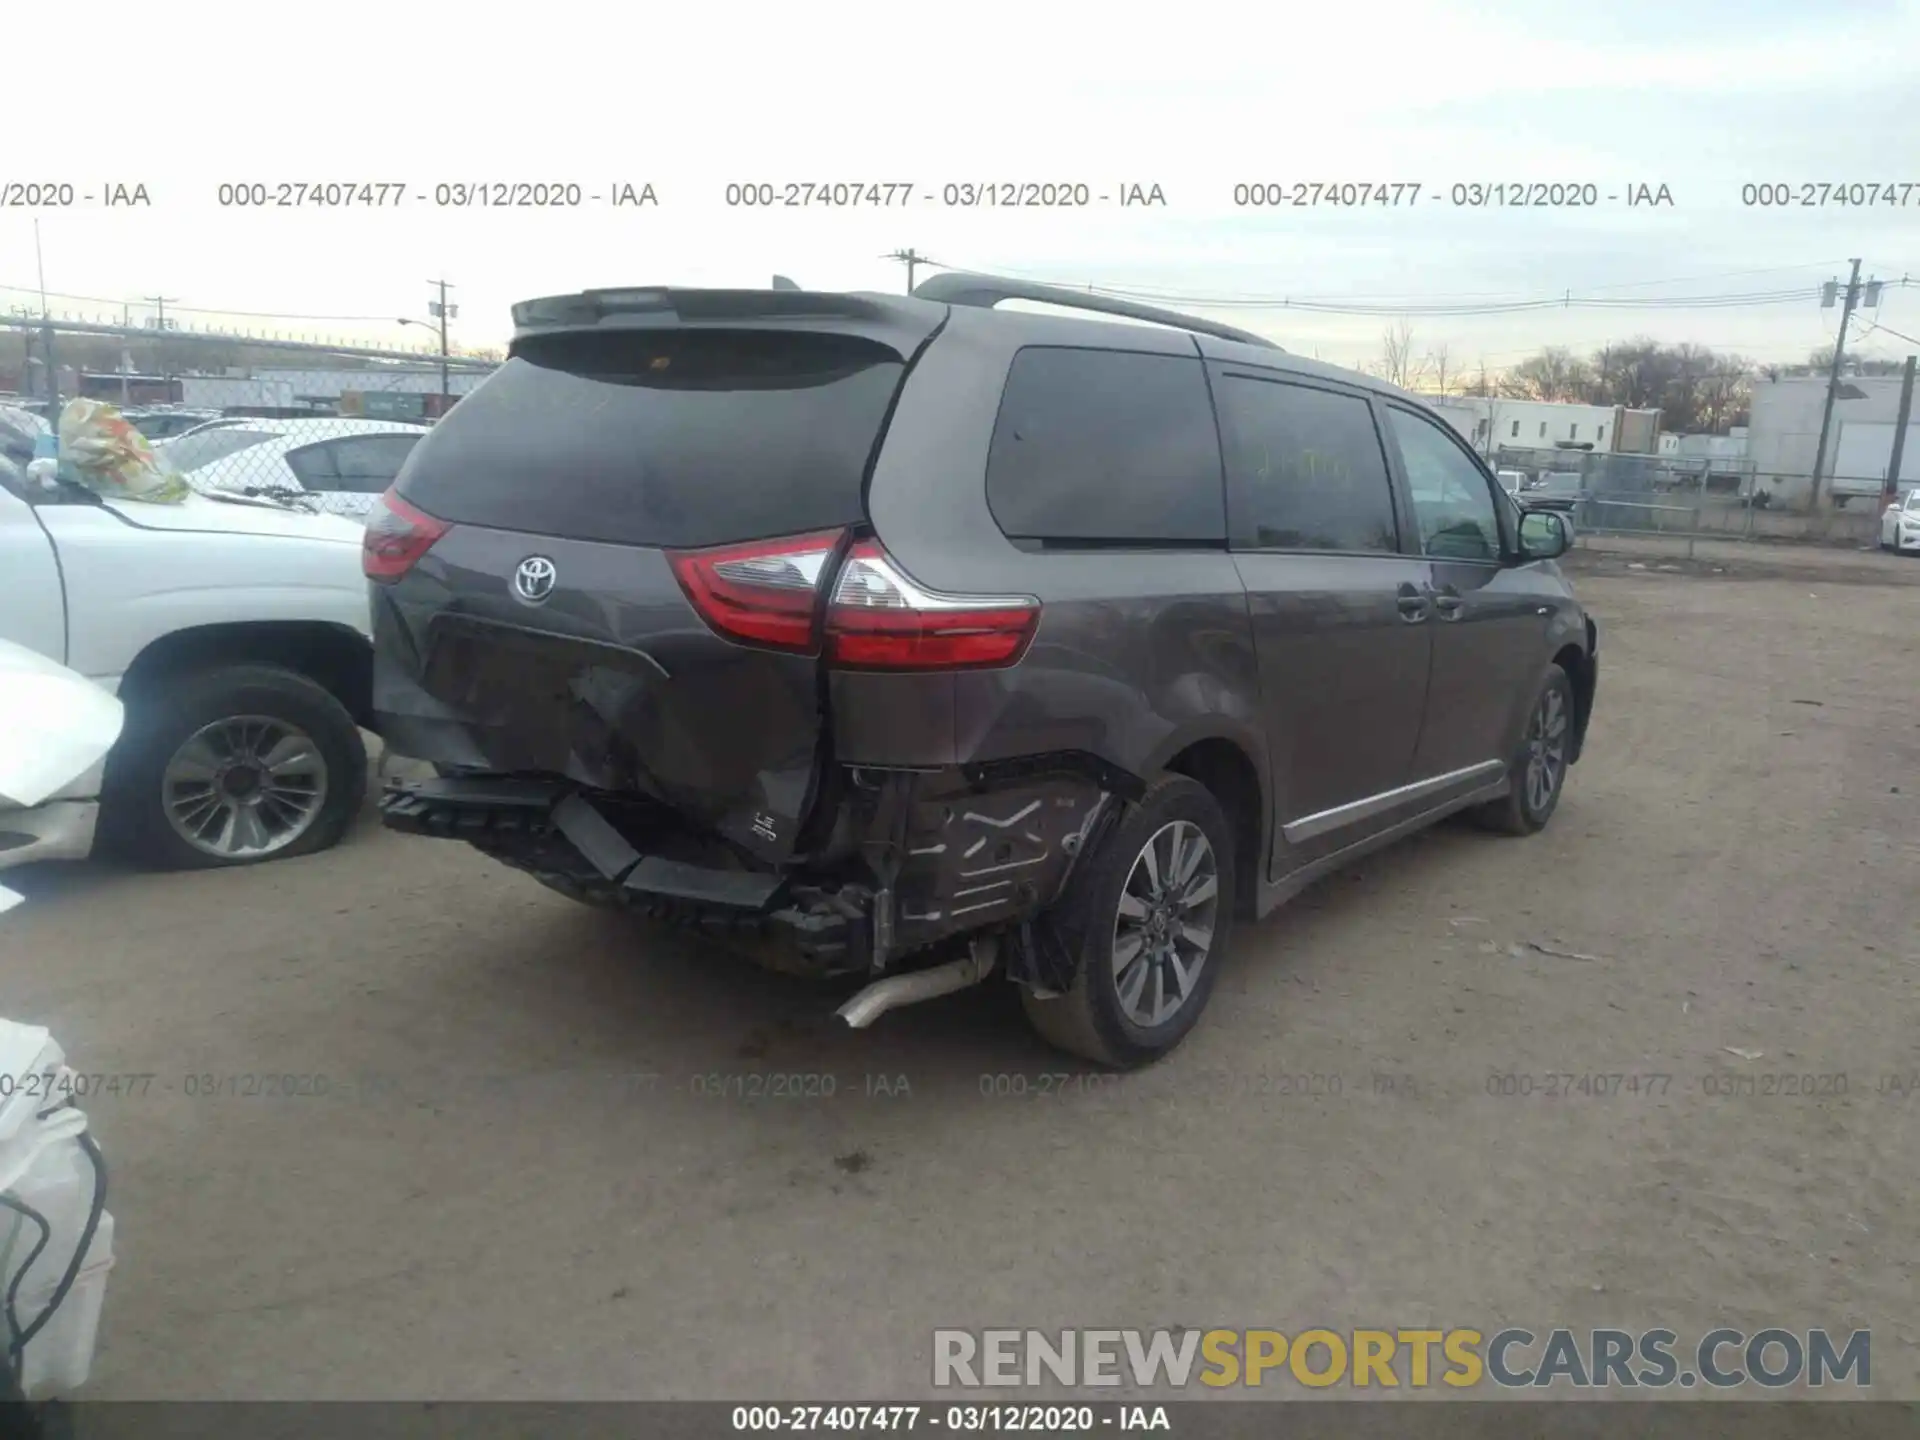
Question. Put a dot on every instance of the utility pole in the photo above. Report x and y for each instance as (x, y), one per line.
(910, 258)
(1833, 383)
(160, 303)
(443, 312)
(1891, 490)
(46, 334)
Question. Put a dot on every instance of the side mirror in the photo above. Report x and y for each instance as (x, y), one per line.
(1543, 535)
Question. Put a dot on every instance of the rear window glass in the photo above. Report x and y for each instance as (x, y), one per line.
(1106, 446)
(685, 438)
(193, 452)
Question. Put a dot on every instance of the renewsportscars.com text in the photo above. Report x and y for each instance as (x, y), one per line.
(1415, 1359)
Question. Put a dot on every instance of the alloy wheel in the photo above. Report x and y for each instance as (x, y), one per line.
(1546, 749)
(1164, 930)
(244, 787)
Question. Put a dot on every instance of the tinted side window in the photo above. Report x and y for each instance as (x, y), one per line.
(313, 467)
(1111, 445)
(191, 452)
(1306, 467)
(1451, 499)
(367, 464)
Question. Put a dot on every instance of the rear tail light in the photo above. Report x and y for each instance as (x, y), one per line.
(767, 593)
(880, 619)
(396, 536)
(764, 593)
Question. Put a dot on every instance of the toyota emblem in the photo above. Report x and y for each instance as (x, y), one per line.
(533, 581)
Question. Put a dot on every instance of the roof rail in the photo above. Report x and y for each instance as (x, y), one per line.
(954, 287)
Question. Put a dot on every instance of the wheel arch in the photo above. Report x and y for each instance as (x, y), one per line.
(1578, 662)
(335, 657)
(1225, 766)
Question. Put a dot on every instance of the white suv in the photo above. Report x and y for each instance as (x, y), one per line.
(234, 631)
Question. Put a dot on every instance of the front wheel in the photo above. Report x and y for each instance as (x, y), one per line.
(1146, 918)
(233, 766)
(1538, 773)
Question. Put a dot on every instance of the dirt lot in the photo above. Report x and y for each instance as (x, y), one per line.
(481, 1206)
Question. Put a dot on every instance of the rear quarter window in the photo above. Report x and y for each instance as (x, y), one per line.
(1106, 446)
(194, 452)
(673, 438)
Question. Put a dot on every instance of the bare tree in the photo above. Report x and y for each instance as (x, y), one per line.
(1396, 364)
(1439, 363)
(1482, 382)
(1556, 373)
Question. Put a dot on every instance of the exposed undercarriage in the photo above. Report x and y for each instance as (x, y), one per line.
(903, 860)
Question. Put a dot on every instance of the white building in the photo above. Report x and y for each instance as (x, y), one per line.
(1783, 432)
(1730, 446)
(1490, 422)
(1707, 454)
(290, 388)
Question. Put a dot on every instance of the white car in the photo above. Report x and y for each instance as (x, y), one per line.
(1900, 525)
(344, 465)
(234, 631)
(55, 725)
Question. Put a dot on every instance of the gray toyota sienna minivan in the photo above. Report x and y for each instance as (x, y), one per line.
(917, 639)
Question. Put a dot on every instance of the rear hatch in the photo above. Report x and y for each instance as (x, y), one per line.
(607, 562)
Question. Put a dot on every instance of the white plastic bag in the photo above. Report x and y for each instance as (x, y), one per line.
(100, 450)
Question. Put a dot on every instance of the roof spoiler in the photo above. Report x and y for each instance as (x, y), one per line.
(785, 300)
(985, 291)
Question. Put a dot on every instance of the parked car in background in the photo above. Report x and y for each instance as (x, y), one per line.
(1553, 490)
(55, 725)
(342, 464)
(159, 424)
(873, 625)
(1900, 525)
(1512, 481)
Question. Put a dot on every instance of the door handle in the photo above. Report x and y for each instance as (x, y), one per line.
(1447, 601)
(1414, 607)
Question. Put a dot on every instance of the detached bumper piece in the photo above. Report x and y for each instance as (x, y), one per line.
(934, 855)
(554, 831)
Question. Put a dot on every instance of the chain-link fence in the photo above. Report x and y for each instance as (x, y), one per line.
(321, 427)
(1692, 497)
(339, 464)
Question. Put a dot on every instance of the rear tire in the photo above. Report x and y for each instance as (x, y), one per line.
(1135, 928)
(232, 766)
(1537, 774)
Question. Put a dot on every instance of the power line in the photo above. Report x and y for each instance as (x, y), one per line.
(1335, 305)
(206, 309)
(912, 258)
(1384, 298)
(1874, 326)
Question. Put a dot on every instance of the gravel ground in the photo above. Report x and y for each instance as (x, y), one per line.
(482, 1206)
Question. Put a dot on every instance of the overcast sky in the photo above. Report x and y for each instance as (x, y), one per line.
(1702, 98)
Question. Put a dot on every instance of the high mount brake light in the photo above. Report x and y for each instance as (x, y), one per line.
(396, 536)
(878, 618)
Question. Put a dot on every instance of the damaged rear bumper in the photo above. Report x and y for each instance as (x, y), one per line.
(912, 858)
